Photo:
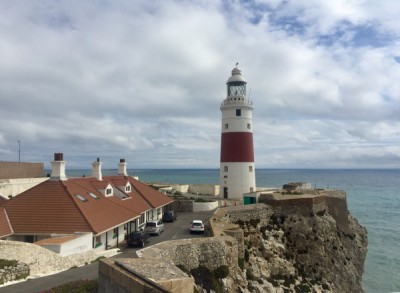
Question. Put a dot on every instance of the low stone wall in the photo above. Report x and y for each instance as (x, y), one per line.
(142, 275)
(315, 201)
(205, 206)
(182, 205)
(16, 272)
(210, 252)
(205, 189)
(40, 260)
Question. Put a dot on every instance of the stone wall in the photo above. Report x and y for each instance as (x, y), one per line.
(40, 260)
(205, 206)
(182, 205)
(205, 189)
(17, 271)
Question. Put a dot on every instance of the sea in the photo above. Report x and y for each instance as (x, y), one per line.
(373, 198)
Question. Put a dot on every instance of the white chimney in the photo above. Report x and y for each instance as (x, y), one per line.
(58, 167)
(122, 167)
(96, 169)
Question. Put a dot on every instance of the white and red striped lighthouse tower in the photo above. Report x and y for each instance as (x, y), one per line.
(237, 172)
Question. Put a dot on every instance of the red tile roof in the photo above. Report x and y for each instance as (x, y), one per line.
(67, 206)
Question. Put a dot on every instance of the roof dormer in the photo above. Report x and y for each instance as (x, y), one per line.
(108, 190)
(128, 187)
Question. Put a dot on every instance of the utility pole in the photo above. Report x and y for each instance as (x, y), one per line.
(19, 151)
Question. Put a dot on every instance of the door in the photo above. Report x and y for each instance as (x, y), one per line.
(225, 192)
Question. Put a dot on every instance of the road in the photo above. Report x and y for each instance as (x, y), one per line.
(177, 230)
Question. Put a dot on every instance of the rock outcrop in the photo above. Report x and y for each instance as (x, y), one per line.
(286, 249)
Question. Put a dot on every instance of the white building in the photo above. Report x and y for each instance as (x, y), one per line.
(237, 172)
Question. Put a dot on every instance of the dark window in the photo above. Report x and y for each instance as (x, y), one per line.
(238, 112)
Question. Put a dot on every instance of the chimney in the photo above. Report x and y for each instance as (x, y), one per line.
(96, 169)
(58, 167)
(122, 167)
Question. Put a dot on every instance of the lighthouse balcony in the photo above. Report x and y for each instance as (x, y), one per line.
(236, 100)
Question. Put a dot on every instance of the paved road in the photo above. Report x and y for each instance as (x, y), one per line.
(177, 230)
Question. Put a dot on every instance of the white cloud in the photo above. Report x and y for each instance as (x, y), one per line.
(145, 81)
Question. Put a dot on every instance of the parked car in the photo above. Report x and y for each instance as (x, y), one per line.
(154, 227)
(169, 216)
(138, 238)
(197, 226)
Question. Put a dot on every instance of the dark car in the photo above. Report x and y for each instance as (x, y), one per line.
(138, 238)
(169, 216)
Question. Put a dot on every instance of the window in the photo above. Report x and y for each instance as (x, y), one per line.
(248, 126)
(226, 126)
(250, 168)
(93, 195)
(81, 198)
(108, 191)
(238, 112)
(115, 233)
(128, 188)
(251, 189)
(225, 168)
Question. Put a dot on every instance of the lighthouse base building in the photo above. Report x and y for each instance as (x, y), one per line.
(237, 170)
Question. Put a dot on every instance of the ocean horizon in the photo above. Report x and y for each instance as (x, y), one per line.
(373, 198)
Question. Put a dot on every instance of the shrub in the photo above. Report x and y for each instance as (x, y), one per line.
(221, 272)
(241, 263)
(250, 275)
(254, 222)
(7, 263)
(204, 277)
(246, 255)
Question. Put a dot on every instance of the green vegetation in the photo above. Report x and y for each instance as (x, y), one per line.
(7, 263)
(210, 280)
(81, 286)
(241, 263)
(246, 255)
(254, 222)
(221, 272)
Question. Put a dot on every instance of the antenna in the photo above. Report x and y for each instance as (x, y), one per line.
(237, 63)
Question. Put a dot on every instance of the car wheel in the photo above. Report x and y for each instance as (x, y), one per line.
(142, 243)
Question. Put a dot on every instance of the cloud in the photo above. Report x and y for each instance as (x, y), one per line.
(145, 80)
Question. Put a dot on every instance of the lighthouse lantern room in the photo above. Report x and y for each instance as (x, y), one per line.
(237, 172)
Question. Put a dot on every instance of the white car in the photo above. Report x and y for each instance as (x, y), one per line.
(197, 226)
(154, 227)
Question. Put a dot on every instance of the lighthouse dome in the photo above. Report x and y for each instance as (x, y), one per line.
(236, 76)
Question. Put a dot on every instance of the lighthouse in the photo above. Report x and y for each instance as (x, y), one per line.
(237, 172)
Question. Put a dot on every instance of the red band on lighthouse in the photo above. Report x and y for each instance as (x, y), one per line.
(237, 147)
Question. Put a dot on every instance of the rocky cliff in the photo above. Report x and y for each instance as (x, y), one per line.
(289, 249)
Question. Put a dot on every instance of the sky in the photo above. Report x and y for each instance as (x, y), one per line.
(144, 80)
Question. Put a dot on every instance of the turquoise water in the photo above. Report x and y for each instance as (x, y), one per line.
(373, 197)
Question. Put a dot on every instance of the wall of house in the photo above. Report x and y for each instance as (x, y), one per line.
(182, 188)
(14, 170)
(16, 186)
(77, 245)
